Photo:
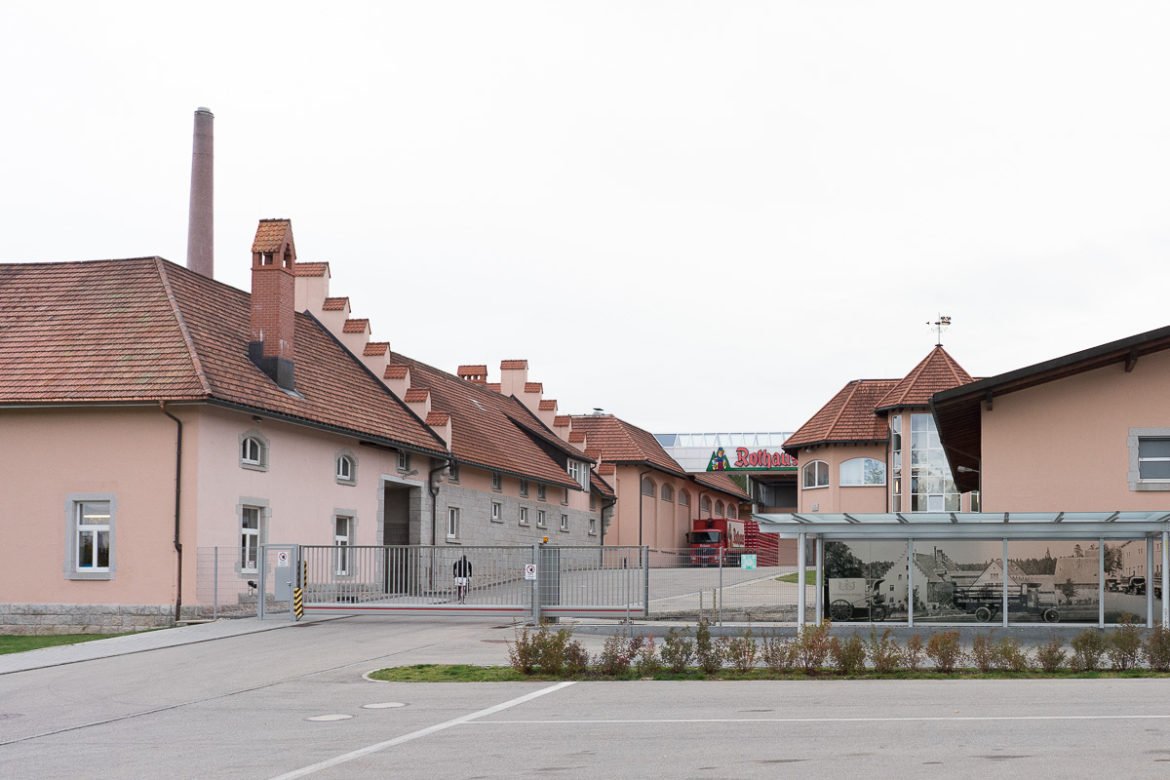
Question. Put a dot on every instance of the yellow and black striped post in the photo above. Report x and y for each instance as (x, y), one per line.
(299, 602)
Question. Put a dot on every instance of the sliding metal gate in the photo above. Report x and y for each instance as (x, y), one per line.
(536, 581)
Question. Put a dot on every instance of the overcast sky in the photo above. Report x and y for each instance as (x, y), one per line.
(698, 216)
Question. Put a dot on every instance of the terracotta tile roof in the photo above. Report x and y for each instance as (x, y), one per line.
(493, 386)
(576, 437)
(417, 395)
(533, 387)
(562, 421)
(438, 418)
(593, 453)
(722, 482)
(311, 269)
(473, 369)
(146, 330)
(491, 430)
(936, 372)
(848, 417)
(376, 348)
(621, 442)
(606, 469)
(601, 486)
(396, 372)
(335, 304)
(270, 235)
(506, 365)
(548, 405)
(356, 325)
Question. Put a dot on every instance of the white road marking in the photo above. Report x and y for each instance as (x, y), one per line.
(924, 719)
(329, 718)
(346, 757)
(383, 705)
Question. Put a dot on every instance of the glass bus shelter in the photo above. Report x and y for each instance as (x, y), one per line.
(997, 568)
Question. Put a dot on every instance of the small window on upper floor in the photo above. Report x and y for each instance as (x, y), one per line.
(667, 493)
(523, 487)
(497, 481)
(253, 452)
(648, 487)
(719, 509)
(346, 469)
(731, 512)
(816, 474)
(540, 492)
(403, 461)
(704, 506)
(579, 471)
(684, 498)
(453, 472)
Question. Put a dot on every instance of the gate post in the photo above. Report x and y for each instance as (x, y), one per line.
(536, 587)
(719, 601)
(262, 581)
(645, 582)
(300, 575)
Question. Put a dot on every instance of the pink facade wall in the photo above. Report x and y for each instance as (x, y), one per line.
(51, 456)
(1063, 445)
(664, 523)
(835, 498)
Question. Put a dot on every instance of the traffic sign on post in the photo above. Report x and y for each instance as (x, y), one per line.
(530, 571)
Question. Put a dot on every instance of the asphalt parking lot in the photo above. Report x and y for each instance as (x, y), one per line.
(292, 702)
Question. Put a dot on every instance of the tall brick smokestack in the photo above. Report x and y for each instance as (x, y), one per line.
(200, 222)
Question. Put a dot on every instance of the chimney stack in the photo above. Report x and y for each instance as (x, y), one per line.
(274, 259)
(200, 222)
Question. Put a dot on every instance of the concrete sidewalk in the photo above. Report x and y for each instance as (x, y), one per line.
(142, 642)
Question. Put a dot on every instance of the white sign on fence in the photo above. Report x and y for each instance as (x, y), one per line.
(282, 559)
(747, 561)
(530, 571)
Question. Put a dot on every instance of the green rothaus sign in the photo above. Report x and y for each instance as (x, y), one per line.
(751, 460)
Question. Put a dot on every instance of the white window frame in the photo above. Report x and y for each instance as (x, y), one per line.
(593, 526)
(497, 512)
(579, 472)
(524, 516)
(101, 508)
(541, 519)
(497, 481)
(256, 460)
(343, 528)
(252, 534)
(847, 481)
(564, 523)
(817, 468)
(345, 469)
(403, 460)
(453, 518)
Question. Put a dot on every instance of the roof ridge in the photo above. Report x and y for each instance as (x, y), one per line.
(845, 403)
(196, 363)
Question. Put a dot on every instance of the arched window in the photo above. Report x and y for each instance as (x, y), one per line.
(253, 451)
(667, 493)
(346, 469)
(648, 487)
(684, 498)
(719, 509)
(862, 471)
(816, 474)
(705, 506)
(731, 511)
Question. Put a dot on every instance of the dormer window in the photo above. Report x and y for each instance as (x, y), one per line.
(253, 452)
(580, 473)
(346, 469)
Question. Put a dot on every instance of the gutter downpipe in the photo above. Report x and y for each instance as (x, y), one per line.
(162, 405)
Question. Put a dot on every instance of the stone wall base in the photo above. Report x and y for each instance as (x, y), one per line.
(85, 618)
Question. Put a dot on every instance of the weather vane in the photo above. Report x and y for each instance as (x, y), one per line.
(943, 321)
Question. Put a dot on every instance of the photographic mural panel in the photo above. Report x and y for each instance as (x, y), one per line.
(865, 581)
(1058, 581)
(958, 581)
(1128, 578)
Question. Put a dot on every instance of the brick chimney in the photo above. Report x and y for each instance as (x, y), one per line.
(476, 373)
(274, 259)
(200, 219)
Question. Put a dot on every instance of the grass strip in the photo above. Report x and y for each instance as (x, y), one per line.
(11, 643)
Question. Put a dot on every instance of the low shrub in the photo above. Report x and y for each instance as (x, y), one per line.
(522, 653)
(708, 653)
(884, 652)
(779, 654)
(945, 651)
(741, 651)
(983, 653)
(1051, 655)
(576, 658)
(1088, 648)
(1124, 647)
(1157, 649)
(646, 657)
(550, 649)
(914, 653)
(615, 656)
(812, 647)
(677, 650)
(848, 655)
(1010, 657)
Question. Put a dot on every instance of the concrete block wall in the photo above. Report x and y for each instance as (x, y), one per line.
(28, 619)
(476, 527)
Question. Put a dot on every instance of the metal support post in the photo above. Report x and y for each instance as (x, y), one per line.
(646, 583)
(1165, 579)
(719, 601)
(910, 582)
(215, 583)
(262, 581)
(1101, 583)
(801, 555)
(1004, 563)
(536, 587)
(818, 598)
(1150, 582)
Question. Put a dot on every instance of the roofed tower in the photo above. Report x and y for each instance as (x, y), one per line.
(274, 257)
(936, 372)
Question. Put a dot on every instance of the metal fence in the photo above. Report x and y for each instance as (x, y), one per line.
(722, 585)
(221, 588)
